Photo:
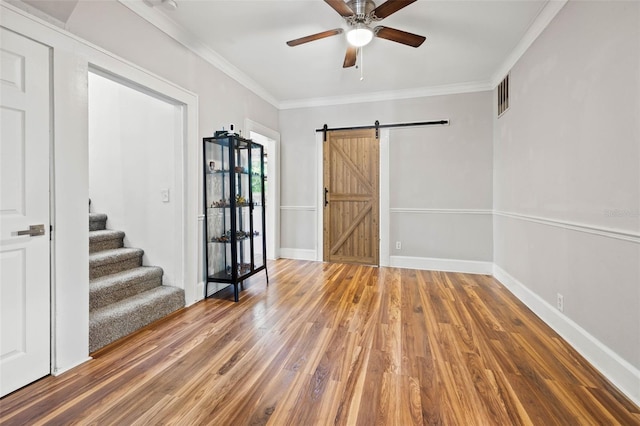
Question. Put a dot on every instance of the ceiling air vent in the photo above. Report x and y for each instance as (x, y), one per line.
(503, 96)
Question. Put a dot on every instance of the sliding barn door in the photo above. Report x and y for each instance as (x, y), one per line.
(351, 211)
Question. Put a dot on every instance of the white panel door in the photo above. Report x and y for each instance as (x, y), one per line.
(25, 330)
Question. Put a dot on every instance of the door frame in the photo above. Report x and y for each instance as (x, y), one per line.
(384, 213)
(178, 196)
(185, 162)
(72, 57)
(273, 174)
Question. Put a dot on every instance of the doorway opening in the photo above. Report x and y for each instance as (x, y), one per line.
(136, 168)
(270, 140)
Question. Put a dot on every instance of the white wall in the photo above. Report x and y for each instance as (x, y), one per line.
(134, 142)
(567, 182)
(222, 100)
(440, 181)
(72, 57)
(565, 160)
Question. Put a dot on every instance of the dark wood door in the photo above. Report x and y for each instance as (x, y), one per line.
(351, 212)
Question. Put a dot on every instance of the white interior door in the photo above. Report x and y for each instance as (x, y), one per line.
(25, 330)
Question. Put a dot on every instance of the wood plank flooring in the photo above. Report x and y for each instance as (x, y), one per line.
(336, 344)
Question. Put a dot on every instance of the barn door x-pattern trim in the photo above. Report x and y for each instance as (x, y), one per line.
(351, 214)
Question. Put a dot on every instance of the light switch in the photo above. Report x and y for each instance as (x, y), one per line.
(164, 194)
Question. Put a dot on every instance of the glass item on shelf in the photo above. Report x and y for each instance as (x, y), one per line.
(235, 246)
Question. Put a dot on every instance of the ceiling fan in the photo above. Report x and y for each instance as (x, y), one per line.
(359, 15)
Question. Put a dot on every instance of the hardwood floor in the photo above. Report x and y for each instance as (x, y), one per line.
(336, 344)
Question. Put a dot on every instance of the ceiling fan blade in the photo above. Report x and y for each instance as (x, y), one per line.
(315, 37)
(390, 7)
(341, 7)
(399, 36)
(350, 57)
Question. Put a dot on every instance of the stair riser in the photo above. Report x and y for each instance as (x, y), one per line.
(122, 291)
(115, 267)
(97, 225)
(97, 246)
(108, 330)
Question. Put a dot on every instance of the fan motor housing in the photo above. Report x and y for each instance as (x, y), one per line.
(362, 9)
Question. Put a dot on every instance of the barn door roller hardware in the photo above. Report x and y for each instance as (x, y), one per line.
(379, 126)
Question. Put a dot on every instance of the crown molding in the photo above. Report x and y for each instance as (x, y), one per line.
(178, 33)
(392, 95)
(539, 24)
(19, 4)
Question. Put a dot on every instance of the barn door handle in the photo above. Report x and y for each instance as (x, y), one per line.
(33, 231)
(326, 191)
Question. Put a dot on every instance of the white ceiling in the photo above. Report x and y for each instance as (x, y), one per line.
(468, 44)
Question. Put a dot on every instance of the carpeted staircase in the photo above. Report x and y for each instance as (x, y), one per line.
(124, 296)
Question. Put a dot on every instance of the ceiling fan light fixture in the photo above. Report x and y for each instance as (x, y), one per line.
(360, 35)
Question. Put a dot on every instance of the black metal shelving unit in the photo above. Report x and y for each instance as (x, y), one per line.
(234, 201)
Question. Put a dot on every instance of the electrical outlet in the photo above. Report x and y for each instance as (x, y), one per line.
(560, 302)
(398, 245)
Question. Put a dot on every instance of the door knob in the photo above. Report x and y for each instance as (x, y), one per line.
(33, 231)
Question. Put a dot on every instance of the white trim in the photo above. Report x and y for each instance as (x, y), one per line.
(384, 212)
(298, 254)
(36, 12)
(299, 208)
(72, 57)
(439, 211)
(420, 92)
(182, 36)
(617, 234)
(445, 265)
(42, 28)
(254, 126)
(202, 263)
(272, 148)
(319, 197)
(59, 371)
(200, 290)
(621, 373)
(544, 18)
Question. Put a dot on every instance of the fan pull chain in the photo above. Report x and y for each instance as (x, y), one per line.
(361, 63)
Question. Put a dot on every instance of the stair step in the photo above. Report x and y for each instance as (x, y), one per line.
(111, 322)
(105, 239)
(115, 287)
(97, 221)
(113, 261)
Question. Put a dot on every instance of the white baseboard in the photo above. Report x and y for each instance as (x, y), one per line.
(620, 372)
(199, 292)
(445, 265)
(59, 371)
(299, 254)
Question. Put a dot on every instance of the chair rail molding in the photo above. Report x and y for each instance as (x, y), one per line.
(617, 234)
